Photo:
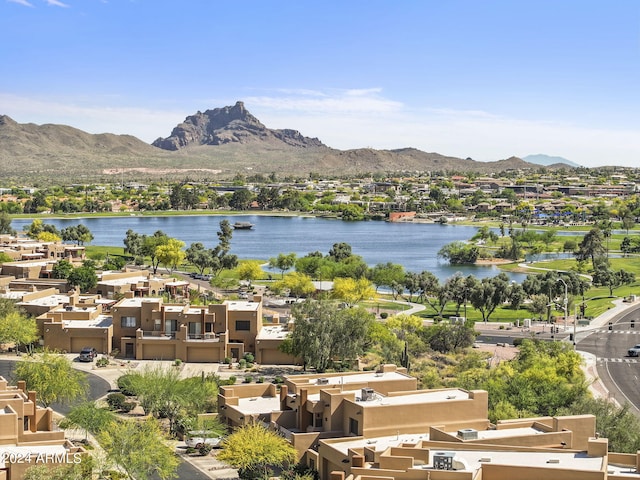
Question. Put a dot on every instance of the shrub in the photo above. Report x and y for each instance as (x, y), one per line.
(384, 315)
(116, 401)
(102, 362)
(249, 357)
(177, 362)
(227, 360)
(128, 406)
(247, 380)
(205, 449)
(242, 363)
(260, 380)
(125, 384)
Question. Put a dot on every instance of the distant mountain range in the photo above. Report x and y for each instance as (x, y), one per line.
(548, 160)
(222, 142)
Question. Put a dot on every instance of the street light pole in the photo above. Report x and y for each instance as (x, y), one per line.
(566, 301)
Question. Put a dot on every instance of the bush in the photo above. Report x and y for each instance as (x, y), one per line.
(260, 380)
(249, 357)
(247, 380)
(116, 401)
(102, 362)
(128, 406)
(242, 363)
(205, 449)
(227, 360)
(177, 362)
(125, 384)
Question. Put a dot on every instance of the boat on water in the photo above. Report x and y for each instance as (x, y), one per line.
(243, 226)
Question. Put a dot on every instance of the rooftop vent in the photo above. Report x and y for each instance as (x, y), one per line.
(468, 434)
(367, 394)
(443, 460)
(553, 460)
(322, 381)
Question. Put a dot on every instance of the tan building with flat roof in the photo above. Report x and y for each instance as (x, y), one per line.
(27, 434)
(376, 425)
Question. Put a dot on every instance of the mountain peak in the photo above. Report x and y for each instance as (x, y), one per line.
(231, 124)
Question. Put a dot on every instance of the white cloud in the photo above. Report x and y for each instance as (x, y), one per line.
(21, 2)
(56, 3)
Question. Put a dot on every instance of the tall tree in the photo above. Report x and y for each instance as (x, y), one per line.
(5, 224)
(325, 332)
(199, 256)
(489, 294)
(591, 247)
(283, 262)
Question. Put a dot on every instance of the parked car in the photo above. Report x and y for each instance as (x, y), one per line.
(198, 438)
(87, 354)
(634, 351)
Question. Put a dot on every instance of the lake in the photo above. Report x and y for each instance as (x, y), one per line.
(413, 245)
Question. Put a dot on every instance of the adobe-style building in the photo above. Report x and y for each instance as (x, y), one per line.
(149, 329)
(27, 434)
(376, 425)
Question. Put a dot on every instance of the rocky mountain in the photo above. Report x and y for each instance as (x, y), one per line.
(221, 142)
(230, 125)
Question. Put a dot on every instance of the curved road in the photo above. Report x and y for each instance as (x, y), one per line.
(98, 387)
(619, 373)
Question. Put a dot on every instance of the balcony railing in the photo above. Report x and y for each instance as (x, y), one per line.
(158, 335)
(205, 337)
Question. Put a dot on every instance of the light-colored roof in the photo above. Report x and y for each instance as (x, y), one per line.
(102, 321)
(273, 332)
(253, 405)
(436, 396)
(241, 305)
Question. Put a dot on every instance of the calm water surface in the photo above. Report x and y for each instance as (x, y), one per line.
(414, 245)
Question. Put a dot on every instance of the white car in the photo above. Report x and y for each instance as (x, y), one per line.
(634, 351)
(198, 438)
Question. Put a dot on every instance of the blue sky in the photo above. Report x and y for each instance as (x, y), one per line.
(481, 79)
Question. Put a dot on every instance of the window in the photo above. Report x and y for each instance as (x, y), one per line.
(243, 325)
(195, 328)
(128, 322)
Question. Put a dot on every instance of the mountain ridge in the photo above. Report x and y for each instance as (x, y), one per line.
(223, 141)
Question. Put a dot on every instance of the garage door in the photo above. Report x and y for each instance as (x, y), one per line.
(79, 343)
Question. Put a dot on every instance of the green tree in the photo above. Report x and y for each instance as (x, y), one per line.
(62, 269)
(133, 243)
(137, 448)
(83, 277)
(255, 451)
(489, 294)
(283, 262)
(150, 245)
(170, 254)
(87, 417)
(386, 275)
(53, 377)
(459, 253)
(241, 199)
(325, 332)
(591, 247)
(18, 328)
(5, 224)
(199, 256)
